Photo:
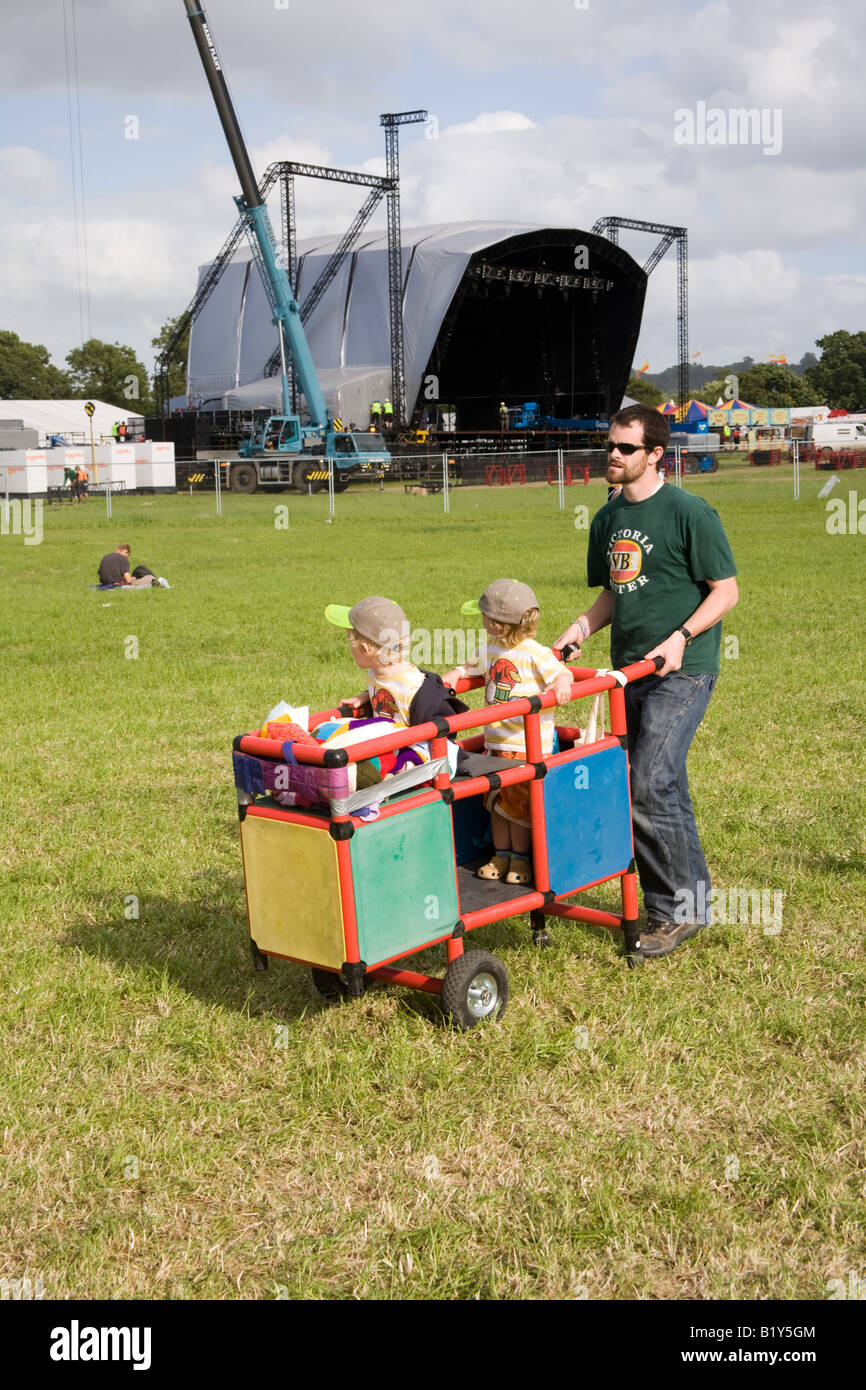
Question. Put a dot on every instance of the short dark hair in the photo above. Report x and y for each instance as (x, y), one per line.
(656, 430)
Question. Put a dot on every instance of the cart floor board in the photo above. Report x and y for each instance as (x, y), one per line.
(484, 892)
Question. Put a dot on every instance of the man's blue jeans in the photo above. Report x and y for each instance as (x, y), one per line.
(663, 715)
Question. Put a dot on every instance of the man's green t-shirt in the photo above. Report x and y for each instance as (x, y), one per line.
(655, 557)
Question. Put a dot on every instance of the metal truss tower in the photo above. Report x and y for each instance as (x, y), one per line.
(610, 227)
(286, 172)
(392, 122)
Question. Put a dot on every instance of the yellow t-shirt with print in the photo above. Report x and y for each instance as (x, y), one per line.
(515, 673)
(392, 698)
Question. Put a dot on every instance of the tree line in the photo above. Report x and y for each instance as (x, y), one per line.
(109, 372)
(837, 379)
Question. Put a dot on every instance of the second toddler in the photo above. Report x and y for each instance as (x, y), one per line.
(516, 666)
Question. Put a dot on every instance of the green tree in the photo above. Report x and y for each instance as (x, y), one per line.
(176, 363)
(27, 372)
(839, 378)
(643, 391)
(110, 372)
(772, 385)
(710, 392)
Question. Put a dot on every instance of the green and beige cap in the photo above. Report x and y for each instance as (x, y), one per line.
(505, 601)
(379, 619)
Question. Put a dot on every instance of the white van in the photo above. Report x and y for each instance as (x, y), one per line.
(837, 434)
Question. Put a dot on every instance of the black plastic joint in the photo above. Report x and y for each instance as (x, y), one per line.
(535, 703)
(494, 781)
(335, 757)
(447, 795)
(549, 897)
(236, 742)
(242, 811)
(353, 972)
(630, 933)
(259, 961)
(536, 919)
(442, 727)
(459, 928)
(341, 829)
(623, 740)
(540, 768)
(632, 866)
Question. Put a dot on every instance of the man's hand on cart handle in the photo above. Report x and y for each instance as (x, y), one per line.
(568, 653)
(671, 653)
(574, 637)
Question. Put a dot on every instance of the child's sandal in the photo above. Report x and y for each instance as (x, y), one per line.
(495, 868)
(519, 870)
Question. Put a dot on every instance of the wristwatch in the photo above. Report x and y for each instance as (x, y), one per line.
(686, 634)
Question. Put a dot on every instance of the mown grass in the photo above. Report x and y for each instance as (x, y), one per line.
(178, 1126)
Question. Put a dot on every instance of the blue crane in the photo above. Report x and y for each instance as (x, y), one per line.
(279, 434)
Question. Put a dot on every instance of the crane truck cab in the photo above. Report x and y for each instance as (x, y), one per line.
(283, 453)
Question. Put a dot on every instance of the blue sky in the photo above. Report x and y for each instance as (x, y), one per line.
(546, 112)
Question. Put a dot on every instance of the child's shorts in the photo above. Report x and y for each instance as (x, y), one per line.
(512, 803)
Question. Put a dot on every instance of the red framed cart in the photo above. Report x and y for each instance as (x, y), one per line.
(353, 897)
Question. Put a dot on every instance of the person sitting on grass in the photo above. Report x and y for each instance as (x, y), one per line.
(516, 667)
(114, 571)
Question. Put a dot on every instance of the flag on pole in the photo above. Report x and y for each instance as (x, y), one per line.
(779, 358)
(644, 368)
(696, 354)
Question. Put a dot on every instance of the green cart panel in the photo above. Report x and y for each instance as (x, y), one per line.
(404, 880)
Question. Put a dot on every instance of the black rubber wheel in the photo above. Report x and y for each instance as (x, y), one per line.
(634, 960)
(475, 988)
(302, 480)
(340, 487)
(244, 478)
(329, 984)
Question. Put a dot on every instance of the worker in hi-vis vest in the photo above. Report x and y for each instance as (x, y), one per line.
(388, 414)
(503, 416)
(375, 412)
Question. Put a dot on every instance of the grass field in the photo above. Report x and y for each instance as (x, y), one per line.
(178, 1126)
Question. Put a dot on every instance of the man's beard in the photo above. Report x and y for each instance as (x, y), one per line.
(631, 470)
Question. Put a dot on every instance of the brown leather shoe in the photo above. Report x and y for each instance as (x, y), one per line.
(660, 938)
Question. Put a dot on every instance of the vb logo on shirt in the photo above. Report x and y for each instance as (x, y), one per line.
(626, 556)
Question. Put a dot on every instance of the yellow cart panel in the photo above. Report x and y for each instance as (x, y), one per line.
(293, 890)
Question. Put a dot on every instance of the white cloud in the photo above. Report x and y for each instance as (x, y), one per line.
(581, 104)
(27, 172)
(491, 123)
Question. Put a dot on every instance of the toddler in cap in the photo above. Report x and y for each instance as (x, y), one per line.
(379, 640)
(516, 667)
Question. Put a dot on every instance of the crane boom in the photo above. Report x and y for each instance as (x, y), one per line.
(285, 308)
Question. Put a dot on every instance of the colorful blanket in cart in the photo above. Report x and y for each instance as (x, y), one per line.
(294, 783)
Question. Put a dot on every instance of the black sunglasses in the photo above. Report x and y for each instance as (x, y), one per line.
(626, 449)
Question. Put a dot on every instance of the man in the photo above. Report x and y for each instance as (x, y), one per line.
(375, 414)
(503, 417)
(667, 573)
(82, 482)
(114, 569)
(388, 415)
